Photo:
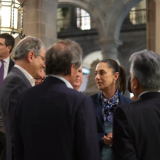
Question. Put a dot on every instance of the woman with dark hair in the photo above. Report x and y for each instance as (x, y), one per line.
(111, 80)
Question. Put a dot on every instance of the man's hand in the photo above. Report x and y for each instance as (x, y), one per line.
(108, 139)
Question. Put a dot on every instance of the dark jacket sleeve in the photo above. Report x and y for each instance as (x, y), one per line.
(123, 143)
(86, 132)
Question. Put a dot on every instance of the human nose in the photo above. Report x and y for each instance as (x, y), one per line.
(97, 76)
(44, 65)
(78, 74)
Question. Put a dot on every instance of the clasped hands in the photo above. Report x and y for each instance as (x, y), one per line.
(108, 139)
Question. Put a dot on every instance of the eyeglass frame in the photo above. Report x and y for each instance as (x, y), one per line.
(42, 57)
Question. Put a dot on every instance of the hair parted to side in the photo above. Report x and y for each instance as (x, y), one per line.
(9, 40)
(121, 81)
(145, 66)
(26, 45)
(61, 56)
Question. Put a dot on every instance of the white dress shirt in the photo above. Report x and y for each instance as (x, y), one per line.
(146, 92)
(6, 65)
(64, 80)
(28, 76)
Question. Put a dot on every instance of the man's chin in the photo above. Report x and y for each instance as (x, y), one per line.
(77, 84)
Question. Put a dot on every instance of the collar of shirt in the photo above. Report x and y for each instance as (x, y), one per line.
(63, 79)
(28, 76)
(6, 65)
(146, 92)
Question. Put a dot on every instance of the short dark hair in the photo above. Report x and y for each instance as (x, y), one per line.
(121, 81)
(61, 56)
(9, 40)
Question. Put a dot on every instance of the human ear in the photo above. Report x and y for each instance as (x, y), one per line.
(135, 83)
(9, 48)
(116, 75)
(30, 56)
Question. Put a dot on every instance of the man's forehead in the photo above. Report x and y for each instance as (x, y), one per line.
(43, 51)
(2, 40)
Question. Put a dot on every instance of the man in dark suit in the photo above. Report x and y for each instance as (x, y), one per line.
(29, 61)
(6, 45)
(54, 121)
(136, 129)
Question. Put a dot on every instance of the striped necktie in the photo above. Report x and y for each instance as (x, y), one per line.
(1, 72)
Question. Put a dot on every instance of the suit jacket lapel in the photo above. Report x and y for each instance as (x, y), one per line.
(98, 109)
(11, 64)
(121, 100)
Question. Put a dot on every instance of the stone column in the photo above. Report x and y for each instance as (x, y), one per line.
(73, 20)
(40, 19)
(91, 85)
(157, 19)
(109, 48)
(150, 24)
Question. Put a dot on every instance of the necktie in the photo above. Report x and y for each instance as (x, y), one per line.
(1, 72)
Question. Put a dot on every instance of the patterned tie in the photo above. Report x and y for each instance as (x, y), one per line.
(1, 72)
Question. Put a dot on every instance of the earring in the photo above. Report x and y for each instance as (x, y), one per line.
(113, 82)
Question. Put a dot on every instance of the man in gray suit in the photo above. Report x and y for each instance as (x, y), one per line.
(29, 62)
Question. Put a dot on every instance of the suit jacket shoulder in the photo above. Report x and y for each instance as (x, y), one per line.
(124, 100)
(134, 125)
(95, 97)
(13, 85)
(60, 113)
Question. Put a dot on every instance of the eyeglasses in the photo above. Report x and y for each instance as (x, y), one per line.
(42, 57)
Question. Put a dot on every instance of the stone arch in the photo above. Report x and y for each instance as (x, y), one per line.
(116, 16)
(93, 11)
(87, 61)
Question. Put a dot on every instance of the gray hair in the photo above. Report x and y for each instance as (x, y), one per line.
(26, 45)
(61, 56)
(145, 66)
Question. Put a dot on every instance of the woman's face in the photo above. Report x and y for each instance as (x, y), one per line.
(104, 76)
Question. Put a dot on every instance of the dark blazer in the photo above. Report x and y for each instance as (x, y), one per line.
(13, 85)
(98, 111)
(136, 129)
(11, 64)
(55, 123)
(2, 132)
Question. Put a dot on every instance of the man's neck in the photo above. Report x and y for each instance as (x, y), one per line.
(25, 66)
(67, 77)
